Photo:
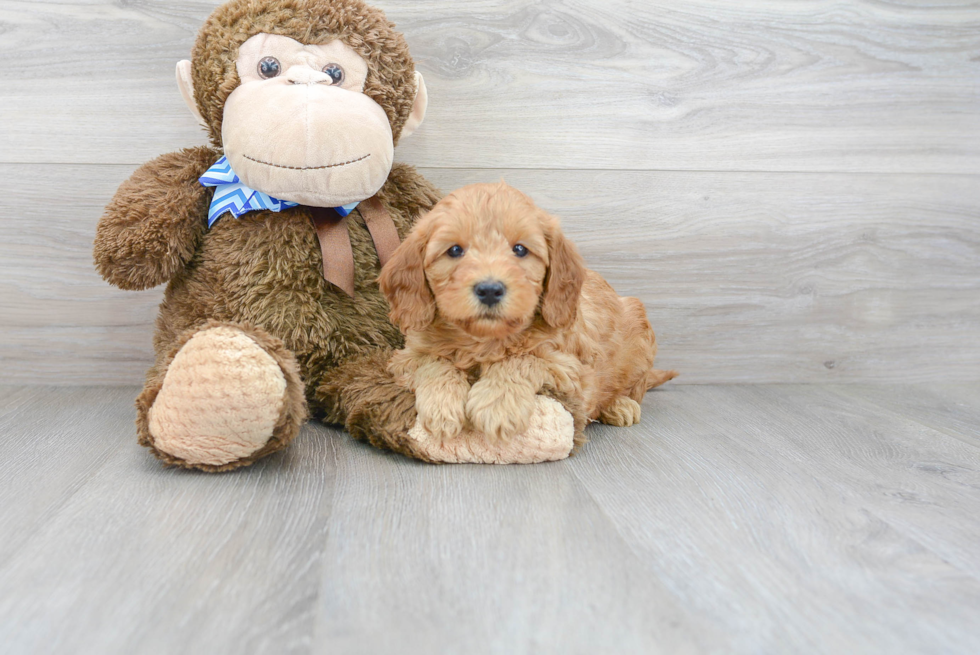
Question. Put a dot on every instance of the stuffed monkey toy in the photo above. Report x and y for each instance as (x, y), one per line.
(271, 239)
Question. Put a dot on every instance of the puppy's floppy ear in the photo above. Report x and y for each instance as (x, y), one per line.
(403, 283)
(563, 284)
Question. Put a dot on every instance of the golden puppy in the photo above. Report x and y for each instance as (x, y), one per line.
(497, 306)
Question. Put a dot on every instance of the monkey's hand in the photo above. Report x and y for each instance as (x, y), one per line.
(153, 224)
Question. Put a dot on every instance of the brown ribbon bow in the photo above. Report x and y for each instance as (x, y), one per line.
(338, 257)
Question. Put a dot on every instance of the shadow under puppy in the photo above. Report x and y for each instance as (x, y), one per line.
(497, 306)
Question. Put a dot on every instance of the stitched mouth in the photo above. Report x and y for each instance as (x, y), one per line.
(307, 168)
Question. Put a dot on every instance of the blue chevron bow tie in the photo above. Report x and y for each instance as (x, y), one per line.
(233, 196)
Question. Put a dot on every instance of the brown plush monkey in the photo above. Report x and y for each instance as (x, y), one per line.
(272, 309)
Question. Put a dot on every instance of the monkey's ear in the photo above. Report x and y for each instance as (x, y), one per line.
(418, 109)
(186, 84)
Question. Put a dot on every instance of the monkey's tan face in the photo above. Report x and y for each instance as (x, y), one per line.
(300, 128)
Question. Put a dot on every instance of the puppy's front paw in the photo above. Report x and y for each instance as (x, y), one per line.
(441, 409)
(621, 412)
(499, 412)
(443, 420)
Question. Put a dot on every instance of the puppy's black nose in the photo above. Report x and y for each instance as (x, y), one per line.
(489, 292)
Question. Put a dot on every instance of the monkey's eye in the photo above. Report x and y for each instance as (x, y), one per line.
(269, 67)
(520, 250)
(335, 72)
(455, 251)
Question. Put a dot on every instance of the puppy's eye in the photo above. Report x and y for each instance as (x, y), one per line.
(269, 67)
(520, 250)
(455, 251)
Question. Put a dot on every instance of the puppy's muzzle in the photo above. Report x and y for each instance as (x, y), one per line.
(489, 292)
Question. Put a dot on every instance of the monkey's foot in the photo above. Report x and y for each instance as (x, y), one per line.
(549, 437)
(229, 396)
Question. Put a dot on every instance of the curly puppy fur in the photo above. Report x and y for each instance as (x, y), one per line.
(554, 325)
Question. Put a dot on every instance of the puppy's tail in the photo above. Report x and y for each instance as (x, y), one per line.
(656, 377)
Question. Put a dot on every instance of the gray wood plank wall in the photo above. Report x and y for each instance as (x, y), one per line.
(793, 188)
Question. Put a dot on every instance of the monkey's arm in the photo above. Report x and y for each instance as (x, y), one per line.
(152, 226)
(362, 395)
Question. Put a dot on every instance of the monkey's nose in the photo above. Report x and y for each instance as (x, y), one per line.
(306, 75)
(489, 292)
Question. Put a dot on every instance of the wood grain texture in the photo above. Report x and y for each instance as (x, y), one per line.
(953, 409)
(105, 551)
(757, 505)
(701, 85)
(747, 277)
(737, 519)
(468, 559)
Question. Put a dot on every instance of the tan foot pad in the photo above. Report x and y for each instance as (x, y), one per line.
(550, 437)
(220, 399)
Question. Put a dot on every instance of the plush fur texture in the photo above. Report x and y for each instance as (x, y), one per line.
(361, 394)
(153, 225)
(261, 274)
(262, 270)
(556, 325)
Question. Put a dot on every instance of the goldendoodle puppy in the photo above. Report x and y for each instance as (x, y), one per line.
(497, 306)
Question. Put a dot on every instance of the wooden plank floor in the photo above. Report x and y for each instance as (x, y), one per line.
(744, 519)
